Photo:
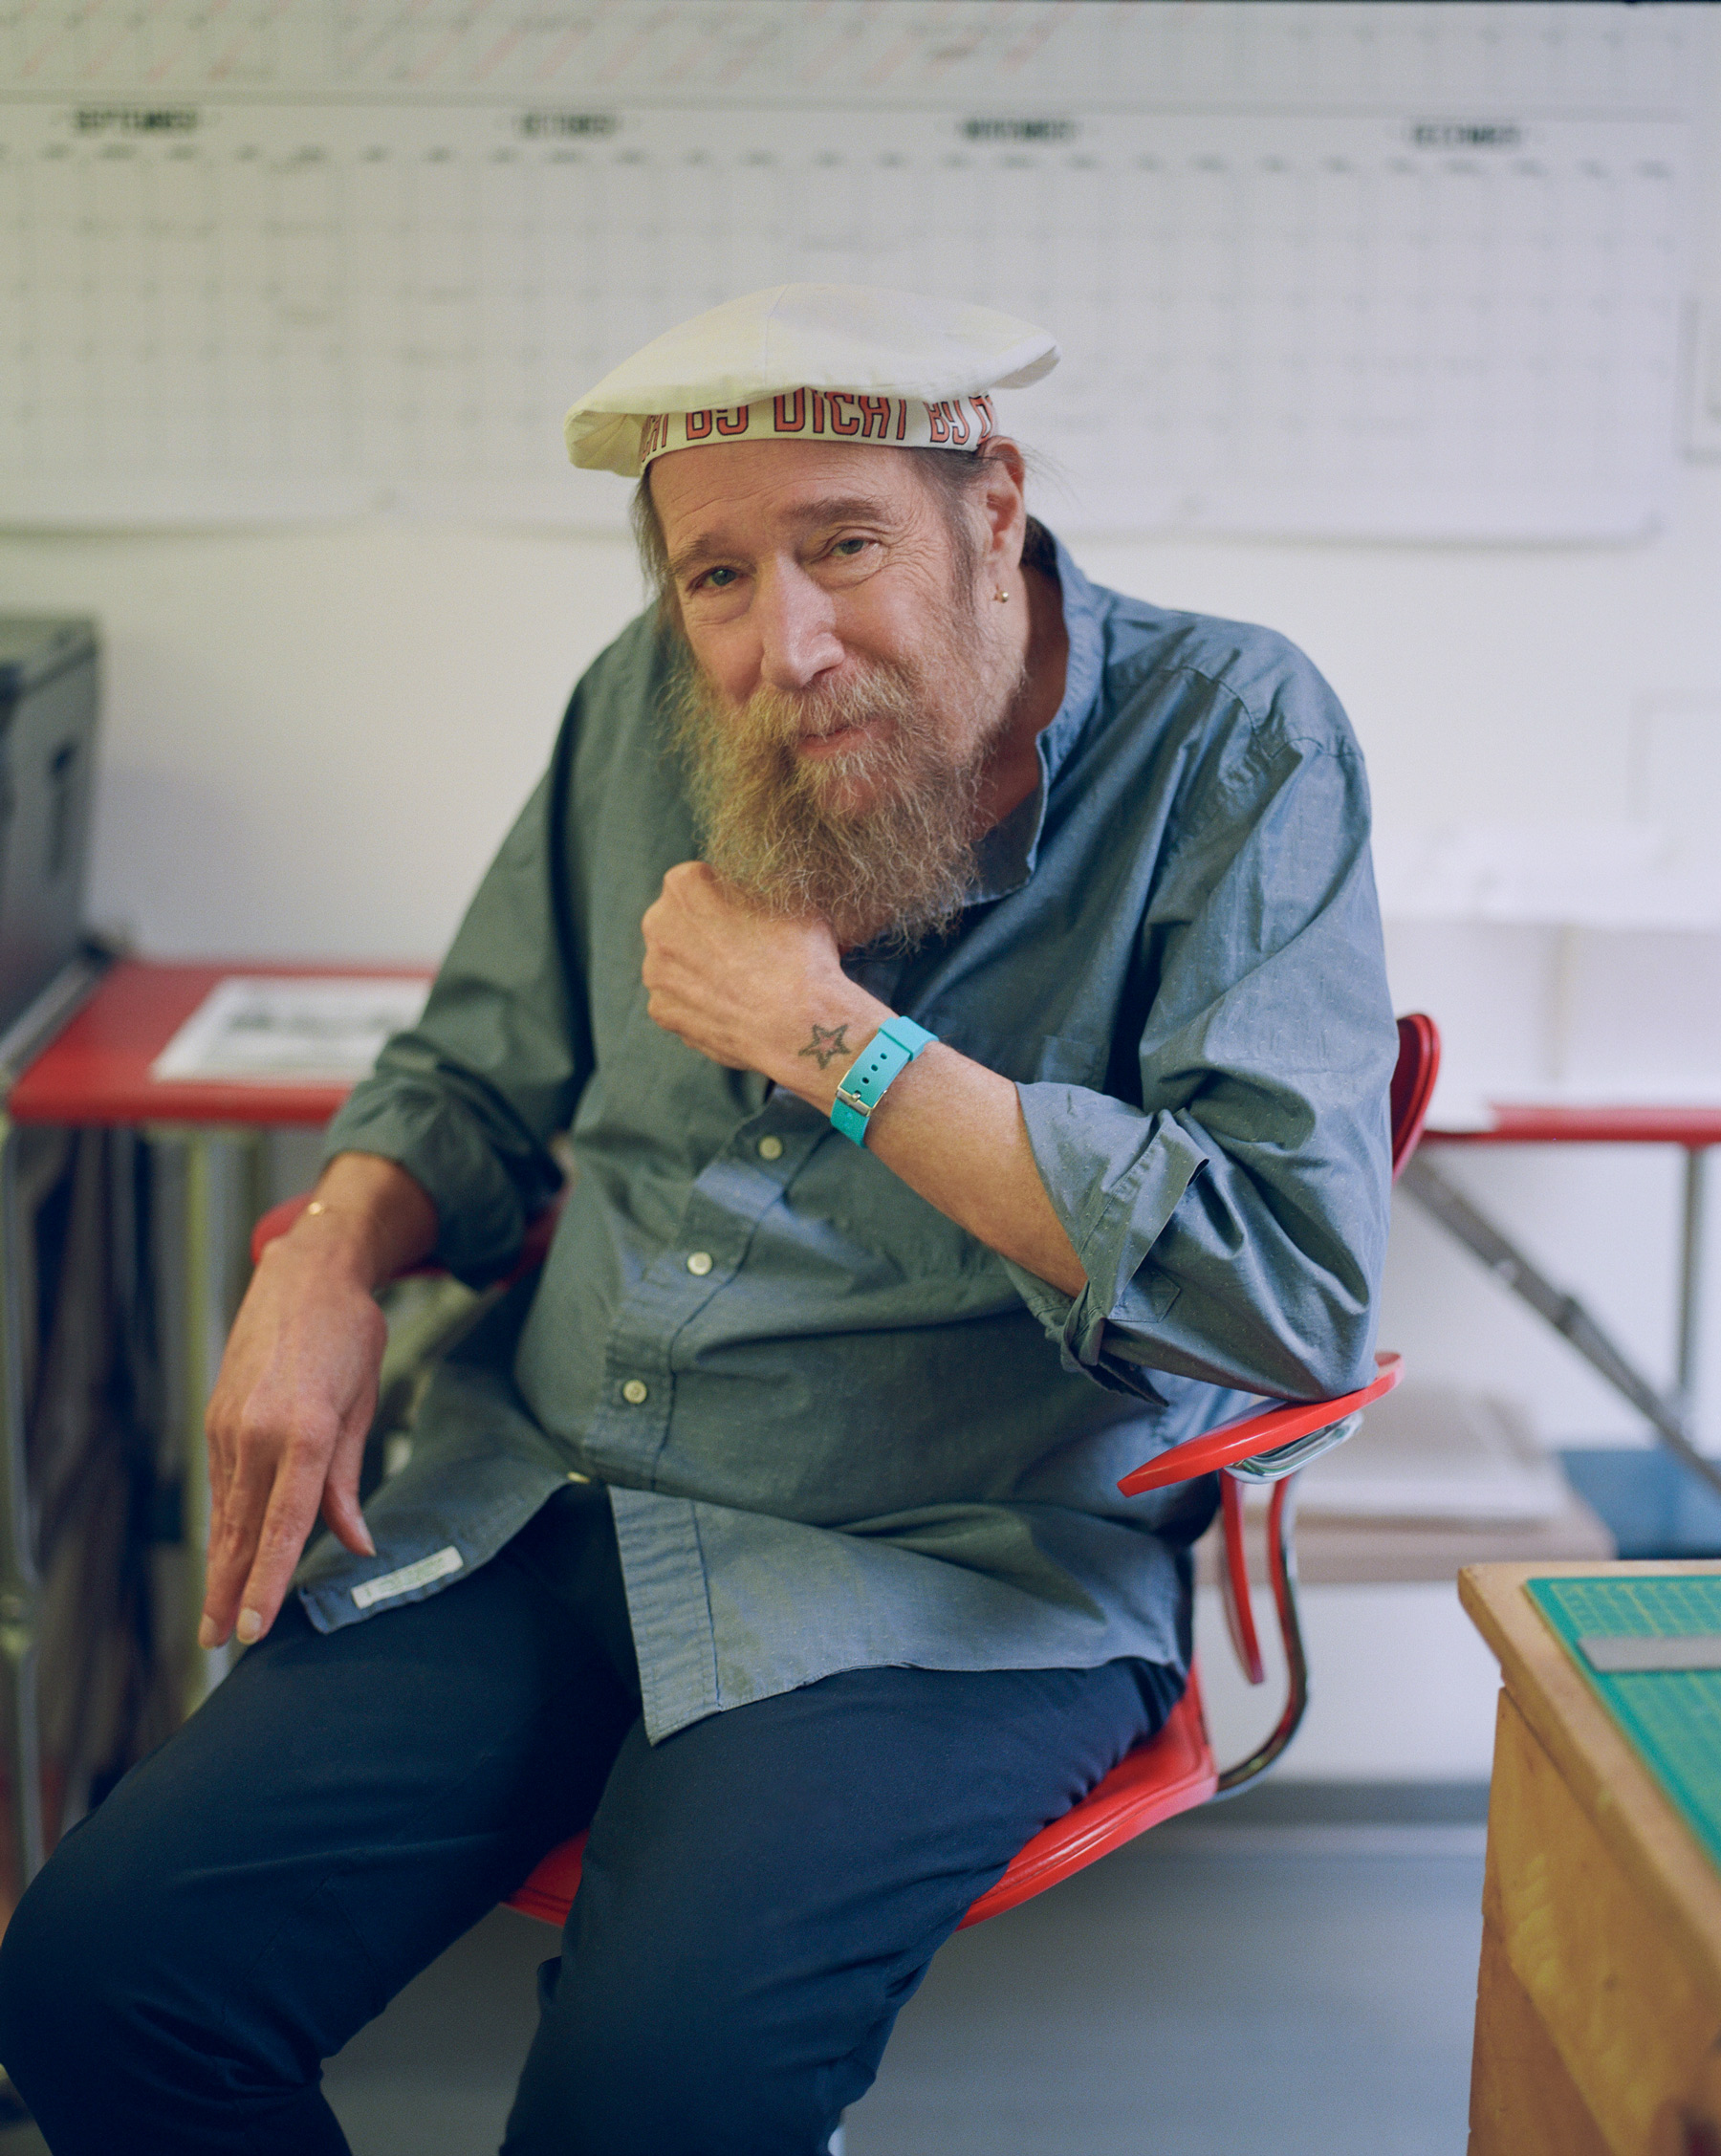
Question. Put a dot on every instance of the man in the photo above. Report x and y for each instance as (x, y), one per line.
(774, 1530)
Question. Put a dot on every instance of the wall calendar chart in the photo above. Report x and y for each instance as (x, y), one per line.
(1377, 271)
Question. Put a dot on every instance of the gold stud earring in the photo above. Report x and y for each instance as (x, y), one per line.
(1000, 595)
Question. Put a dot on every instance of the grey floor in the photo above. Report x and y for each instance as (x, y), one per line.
(1295, 1973)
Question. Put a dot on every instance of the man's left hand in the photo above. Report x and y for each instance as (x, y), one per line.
(752, 991)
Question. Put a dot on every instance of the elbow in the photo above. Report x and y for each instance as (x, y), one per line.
(1309, 1334)
(1337, 1336)
(1348, 1365)
(1334, 1308)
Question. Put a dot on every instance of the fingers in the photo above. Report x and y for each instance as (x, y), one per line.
(287, 1524)
(232, 1547)
(289, 1416)
(688, 874)
(220, 1528)
(341, 1492)
(219, 1424)
(256, 1543)
(270, 1469)
(220, 1467)
(679, 884)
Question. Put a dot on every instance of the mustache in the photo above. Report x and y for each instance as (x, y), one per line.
(797, 836)
(784, 718)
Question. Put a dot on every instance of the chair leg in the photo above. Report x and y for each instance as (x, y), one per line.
(1281, 1559)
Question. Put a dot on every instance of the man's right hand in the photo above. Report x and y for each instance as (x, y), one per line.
(298, 1389)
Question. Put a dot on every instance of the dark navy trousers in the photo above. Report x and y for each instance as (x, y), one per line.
(762, 1891)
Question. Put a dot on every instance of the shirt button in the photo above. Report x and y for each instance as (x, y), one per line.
(771, 1149)
(700, 1262)
(634, 1392)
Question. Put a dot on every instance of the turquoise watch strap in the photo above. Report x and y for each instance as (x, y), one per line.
(890, 1053)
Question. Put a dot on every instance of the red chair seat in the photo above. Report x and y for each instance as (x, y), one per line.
(548, 1894)
(1173, 1772)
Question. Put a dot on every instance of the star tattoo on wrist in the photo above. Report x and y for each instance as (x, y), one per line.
(828, 1042)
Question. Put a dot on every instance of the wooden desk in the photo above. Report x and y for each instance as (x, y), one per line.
(1598, 2004)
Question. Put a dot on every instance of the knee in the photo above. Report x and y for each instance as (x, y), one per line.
(55, 1947)
(81, 1980)
(669, 2055)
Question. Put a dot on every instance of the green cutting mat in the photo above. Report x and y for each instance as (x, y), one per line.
(1673, 1716)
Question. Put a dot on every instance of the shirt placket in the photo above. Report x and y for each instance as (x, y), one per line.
(663, 1556)
(724, 1206)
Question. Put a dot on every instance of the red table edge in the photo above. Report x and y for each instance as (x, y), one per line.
(96, 1069)
(1531, 1124)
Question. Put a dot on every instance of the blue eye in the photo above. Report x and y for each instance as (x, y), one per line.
(719, 579)
(848, 546)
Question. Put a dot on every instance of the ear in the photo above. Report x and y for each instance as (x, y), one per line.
(1004, 501)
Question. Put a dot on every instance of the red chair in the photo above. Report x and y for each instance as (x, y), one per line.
(1175, 1770)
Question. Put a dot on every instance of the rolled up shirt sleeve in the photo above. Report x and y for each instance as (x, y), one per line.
(1232, 1219)
(468, 1100)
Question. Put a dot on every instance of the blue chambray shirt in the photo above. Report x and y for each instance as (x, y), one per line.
(837, 1430)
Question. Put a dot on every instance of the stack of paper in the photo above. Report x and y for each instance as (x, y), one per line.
(270, 1031)
(1433, 1452)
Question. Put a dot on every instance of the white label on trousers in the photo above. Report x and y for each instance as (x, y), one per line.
(436, 1566)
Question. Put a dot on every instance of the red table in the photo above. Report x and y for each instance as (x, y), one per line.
(1517, 1123)
(95, 1069)
(1695, 1129)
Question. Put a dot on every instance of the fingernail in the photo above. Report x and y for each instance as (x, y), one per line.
(207, 1634)
(370, 1547)
(249, 1628)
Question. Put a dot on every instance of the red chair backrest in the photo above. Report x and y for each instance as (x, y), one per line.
(1412, 1084)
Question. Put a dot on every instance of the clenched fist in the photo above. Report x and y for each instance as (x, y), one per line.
(751, 991)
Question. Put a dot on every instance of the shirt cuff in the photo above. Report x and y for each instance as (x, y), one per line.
(480, 1216)
(1115, 1176)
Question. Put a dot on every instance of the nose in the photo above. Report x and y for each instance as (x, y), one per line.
(796, 628)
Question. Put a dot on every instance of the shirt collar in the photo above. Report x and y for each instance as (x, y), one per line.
(1007, 851)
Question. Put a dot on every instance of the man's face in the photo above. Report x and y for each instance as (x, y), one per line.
(845, 684)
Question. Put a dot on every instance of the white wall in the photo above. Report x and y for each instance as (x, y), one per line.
(315, 739)
(1402, 1686)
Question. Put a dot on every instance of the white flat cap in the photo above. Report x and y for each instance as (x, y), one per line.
(802, 361)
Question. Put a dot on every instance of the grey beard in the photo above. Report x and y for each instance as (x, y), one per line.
(772, 824)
